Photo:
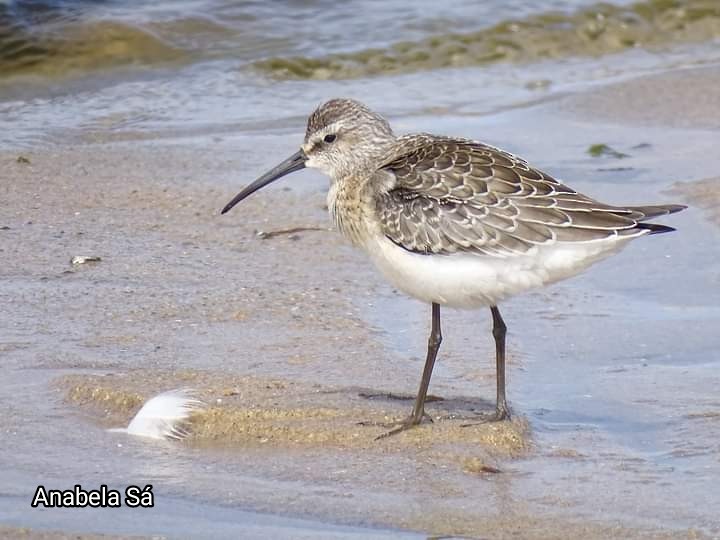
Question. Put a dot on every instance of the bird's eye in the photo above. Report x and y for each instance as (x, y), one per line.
(330, 138)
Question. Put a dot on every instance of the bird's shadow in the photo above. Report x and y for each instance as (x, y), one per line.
(451, 406)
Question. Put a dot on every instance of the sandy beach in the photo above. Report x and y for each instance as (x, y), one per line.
(294, 340)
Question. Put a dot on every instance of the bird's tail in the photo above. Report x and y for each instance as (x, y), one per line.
(656, 210)
(649, 212)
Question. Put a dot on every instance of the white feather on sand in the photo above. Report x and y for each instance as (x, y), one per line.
(164, 416)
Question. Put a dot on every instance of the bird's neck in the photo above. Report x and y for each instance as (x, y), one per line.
(366, 158)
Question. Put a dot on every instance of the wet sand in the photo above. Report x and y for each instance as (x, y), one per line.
(615, 431)
(22, 532)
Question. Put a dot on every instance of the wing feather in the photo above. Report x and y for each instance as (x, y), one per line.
(455, 195)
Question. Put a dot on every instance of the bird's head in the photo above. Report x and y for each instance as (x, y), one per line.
(342, 136)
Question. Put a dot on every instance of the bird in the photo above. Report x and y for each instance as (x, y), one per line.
(454, 222)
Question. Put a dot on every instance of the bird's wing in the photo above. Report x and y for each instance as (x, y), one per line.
(455, 195)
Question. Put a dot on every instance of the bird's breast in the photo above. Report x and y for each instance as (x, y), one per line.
(351, 209)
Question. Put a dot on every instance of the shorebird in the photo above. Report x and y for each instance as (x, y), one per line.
(455, 222)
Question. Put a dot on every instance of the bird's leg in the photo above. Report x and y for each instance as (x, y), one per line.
(418, 412)
(499, 330)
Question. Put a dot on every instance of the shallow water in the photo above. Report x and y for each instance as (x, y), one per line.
(330, 40)
(110, 86)
(56, 37)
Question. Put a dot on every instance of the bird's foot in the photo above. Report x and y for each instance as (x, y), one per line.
(397, 397)
(500, 414)
(405, 424)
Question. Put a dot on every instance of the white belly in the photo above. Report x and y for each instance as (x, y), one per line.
(470, 281)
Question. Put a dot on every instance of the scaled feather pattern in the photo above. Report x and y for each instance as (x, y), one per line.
(456, 195)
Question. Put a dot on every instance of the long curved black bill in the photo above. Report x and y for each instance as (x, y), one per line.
(291, 164)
